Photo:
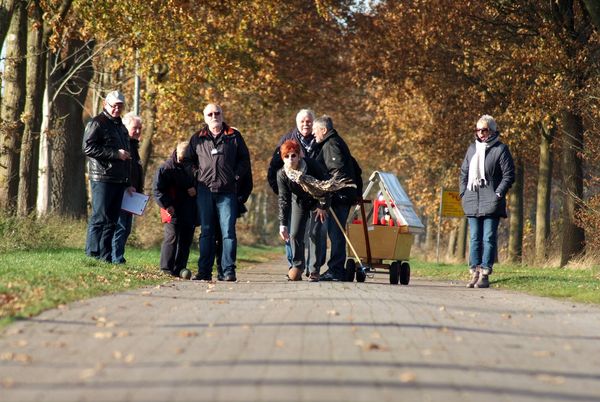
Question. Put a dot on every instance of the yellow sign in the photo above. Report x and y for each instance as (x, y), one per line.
(451, 205)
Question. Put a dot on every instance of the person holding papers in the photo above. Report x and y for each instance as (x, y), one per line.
(133, 123)
(174, 190)
(106, 145)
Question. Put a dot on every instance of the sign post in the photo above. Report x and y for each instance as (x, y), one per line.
(450, 206)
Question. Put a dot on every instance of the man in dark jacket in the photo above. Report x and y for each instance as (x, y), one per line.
(106, 145)
(133, 123)
(220, 158)
(302, 133)
(174, 190)
(335, 156)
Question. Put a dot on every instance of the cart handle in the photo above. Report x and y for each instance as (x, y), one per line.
(345, 235)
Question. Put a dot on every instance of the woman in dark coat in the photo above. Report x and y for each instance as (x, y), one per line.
(295, 206)
(486, 175)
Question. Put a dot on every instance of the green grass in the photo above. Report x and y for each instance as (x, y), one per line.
(36, 280)
(575, 284)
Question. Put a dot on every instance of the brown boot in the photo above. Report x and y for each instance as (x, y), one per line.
(483, 281)
(474, 277)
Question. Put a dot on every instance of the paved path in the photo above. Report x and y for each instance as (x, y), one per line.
(267, 339)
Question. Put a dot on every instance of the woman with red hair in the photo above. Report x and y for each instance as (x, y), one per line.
(295, 206)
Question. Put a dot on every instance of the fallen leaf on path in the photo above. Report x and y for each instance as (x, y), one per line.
(21, 343)
(117, 355)
(442, 308)
(129, 358)
(221, 302)
(333, 312)
(279, 343)
(506, 316)
(16, 357)
(209, 290)
(407, 377)
(375, 335)
(542, 353)
(56, 344)
(187, 334)
(103, 335)
(147, 304)
(88, 373)
(550, 379)
(426, 352)
(146, 293)
(7, 382)
(179, 351)
(123, 334)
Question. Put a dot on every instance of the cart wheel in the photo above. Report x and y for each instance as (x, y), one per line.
(350, 270)
(404, 273)
(360, 275)
(394, 271)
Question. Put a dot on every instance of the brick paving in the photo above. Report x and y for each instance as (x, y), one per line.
(266, 339)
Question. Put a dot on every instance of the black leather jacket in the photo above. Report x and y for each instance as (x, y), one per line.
(103, 137)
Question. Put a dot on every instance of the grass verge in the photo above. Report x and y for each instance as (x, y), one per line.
(575, 284)
(36, 280)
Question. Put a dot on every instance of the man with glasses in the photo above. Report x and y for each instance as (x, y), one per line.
(133, 123)
(302, 134)
(106, 145)
(220, 159)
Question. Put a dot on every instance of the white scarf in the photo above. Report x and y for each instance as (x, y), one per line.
(477, 164)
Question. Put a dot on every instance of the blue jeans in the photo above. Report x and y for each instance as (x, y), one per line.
(224, 207)
(484, 241)
(106, 206)
(337, 255)
(122, 231)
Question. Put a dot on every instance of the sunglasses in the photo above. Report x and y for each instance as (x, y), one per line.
(291, 156)
(115, 106)
(482, 130)
(211, 114)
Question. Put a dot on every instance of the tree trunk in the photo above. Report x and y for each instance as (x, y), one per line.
(544, 187)
(6, 11)
(451, 244)
(572, 170)
(68, 194)
(461, 241)
(36, 64)
(593, 9)
(149, 125)
(11, 126)
(515, 234)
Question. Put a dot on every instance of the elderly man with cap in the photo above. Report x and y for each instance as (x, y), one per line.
(220, 158)
(106, 145)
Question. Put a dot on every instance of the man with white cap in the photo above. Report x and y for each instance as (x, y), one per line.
(106, 145)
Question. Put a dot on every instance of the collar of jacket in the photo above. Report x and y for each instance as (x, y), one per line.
(204, 131)
(329, 134)
(117, 120)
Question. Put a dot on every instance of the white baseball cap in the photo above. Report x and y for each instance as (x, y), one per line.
(115, 97)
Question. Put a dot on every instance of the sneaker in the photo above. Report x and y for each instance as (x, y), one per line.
(328, 276)
(483, 281)
(313, 277)
(202, 278)
(230, 278)
(474, 277)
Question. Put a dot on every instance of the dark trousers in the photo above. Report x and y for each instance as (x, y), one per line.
(106, 206)
(301, 221)
(337, 256)
(175, 249)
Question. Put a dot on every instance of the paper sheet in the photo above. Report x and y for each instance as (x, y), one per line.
(134, 202)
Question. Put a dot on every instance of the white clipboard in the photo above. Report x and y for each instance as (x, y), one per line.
(134, 202)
